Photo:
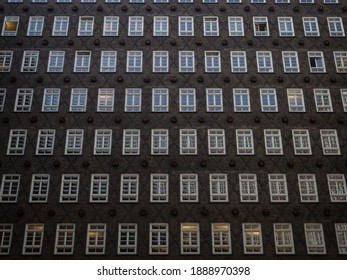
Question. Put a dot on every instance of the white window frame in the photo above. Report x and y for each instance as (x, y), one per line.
(160, 26)
(296, 101)
(6, 232)
(158, 239)
(159, 188)
(17, 142)
(214, 100)
(248, 187)
(99, 188)
(344, 99)
(103, 142)
(74, 142)
(30, 61)
(69, 188)
(24, 99)
(82, 61)
(35, 26)
(78, 100)
(316, 61)
(273, 142)
(241, 95)
(33, 239)
(10, 185)
(261, 26)
(219, 187)
(278, 188)
(308, 188)
(301, 142)
(330, 142)
(10, 30)
(160, 100)
(187, 97)
(129, 188)
(252, 238)
(211, 26)
(190, 239)
(188, 142)
(311, 27)
(290, 62)
(133, 100)
(45, 142)
(135, 25)
(322, 100)
(2, 98)
(61, 26)
(85, 26)
(268, 98)
(110, 26)
(186, 61)
(283, 236)
(238, 61)
(160, 61)
(96, 239)
(337, 187)
(39, 188)
(221, 238)
(127, 239)
(189, 188)
(314, 236)
(235, 26)
(336, 28)
(51, 98)
(341, 238)
(134, 61)
(160, 142)
(264, 62)
(56, 61)
(64, 239)
(216, 142)
(212, 62)
(244, 142)
(106, 100)
(340, 58)
(185, 26)
(6, 58)
(108, 62)
(131, 142)
(286, 26)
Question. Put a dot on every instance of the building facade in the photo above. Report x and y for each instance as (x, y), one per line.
(173, 129)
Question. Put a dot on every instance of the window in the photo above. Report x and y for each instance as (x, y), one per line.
(296, 102)
(278, 187)
(39, 188)
(16, 142)
(39, 1)
(264, 62)
(105, 100)
(127, 239)
(331, 1)
(190, 239)
(258, 1)
(24, 99)
(50, 101)
(33, 239)
(330, 142)
(340, 62)
(261, 27)
(284, 240)
(159, 188)
(343, 97)
(316, 62)
(85, 26)
(186, 61)
(5, 238)
(10, 26)
(212, 61)
(160, 26)
(96, 239)
(311, 28)
(285, 26)
(74, 142)
(273, 142)
(234, 1)
(111, 26)
(238, 61)
(69, 188)
(45, 142)
(308, 187)
(211, 27)
(134, 61)
(9, 188)
(323, 100)
(186, 26)
(235, 25)
(133, 100)
(159, 239)
(82, 61)
(221, 241)
(99, 188)
(336, 28)
(188, 142)
(214, 100)
(218, 188)
(252, 238)
(56, 61)
(290, 62)
(160, 142)
(5, 61)
(108, 61)
(244, 141)
(301, 142)
(64, 239)
(35, 26)
(189, 188)
(78, 100)
(2, 99)
(341, 237)
(60, 26)
(129, 188)
(337, 187)
(314, 239)
(268, 99)
(241, 100)
(160, 100)
(216, 142)
(103, 142)
(248, 187)
(30, 61)
(160, 61)
(131, 141)
(135, 26)
(306, 1)
(187, 100)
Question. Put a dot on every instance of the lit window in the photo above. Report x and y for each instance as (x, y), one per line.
(238, 61)
(261, 27)
(330, 142)
(290, 62)
(129, 191)
(96, 239)
(108, 61)
(105, 100)
(160, 142)
(51, 99)
(316, 62)
(64, 239)
(111, 26)
(99, 188)
(315, 242)
(216, 142)
(323, 100)
(127, 239)
(248, 187)
(186, 61)
(296, 102)
(301, 142)
(273, 142)
(284, 240)
(341, 237)
(211, 27)
(16, 142)
(56, 61)
(311, 27)
(212, 61)
(241, 100)
(308, 187)
(160, 61)
(336, 28)
(133, 100)
(264, 62)
(235, 25)
(45, 142)
(278, 187)
(134, 61)
(159, 188)
(340, 62)
(135, 26)
(39, 188)
(82, 61)
(244, 141)
(189, 188)
(33, 239)
(160, 26)
(5, 60)
(268, 99)
(131, 141)
(30, 61)
(10, 26)
(24, 99)
(74, 142)
(5, 238)
(78, 100)
(160, 100)
(69, 188)
(190, 239)
(60, 26)
(214, 100)
(337, 187)
(186, 26)
(9, 188)
(187, 100)
(218, 188)
(188, 142)
(285, 26)
(252, 238)
(159, 239)
(2, 99)
(344, 99)
(103, 142)
(221, 240)
(35, 26)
